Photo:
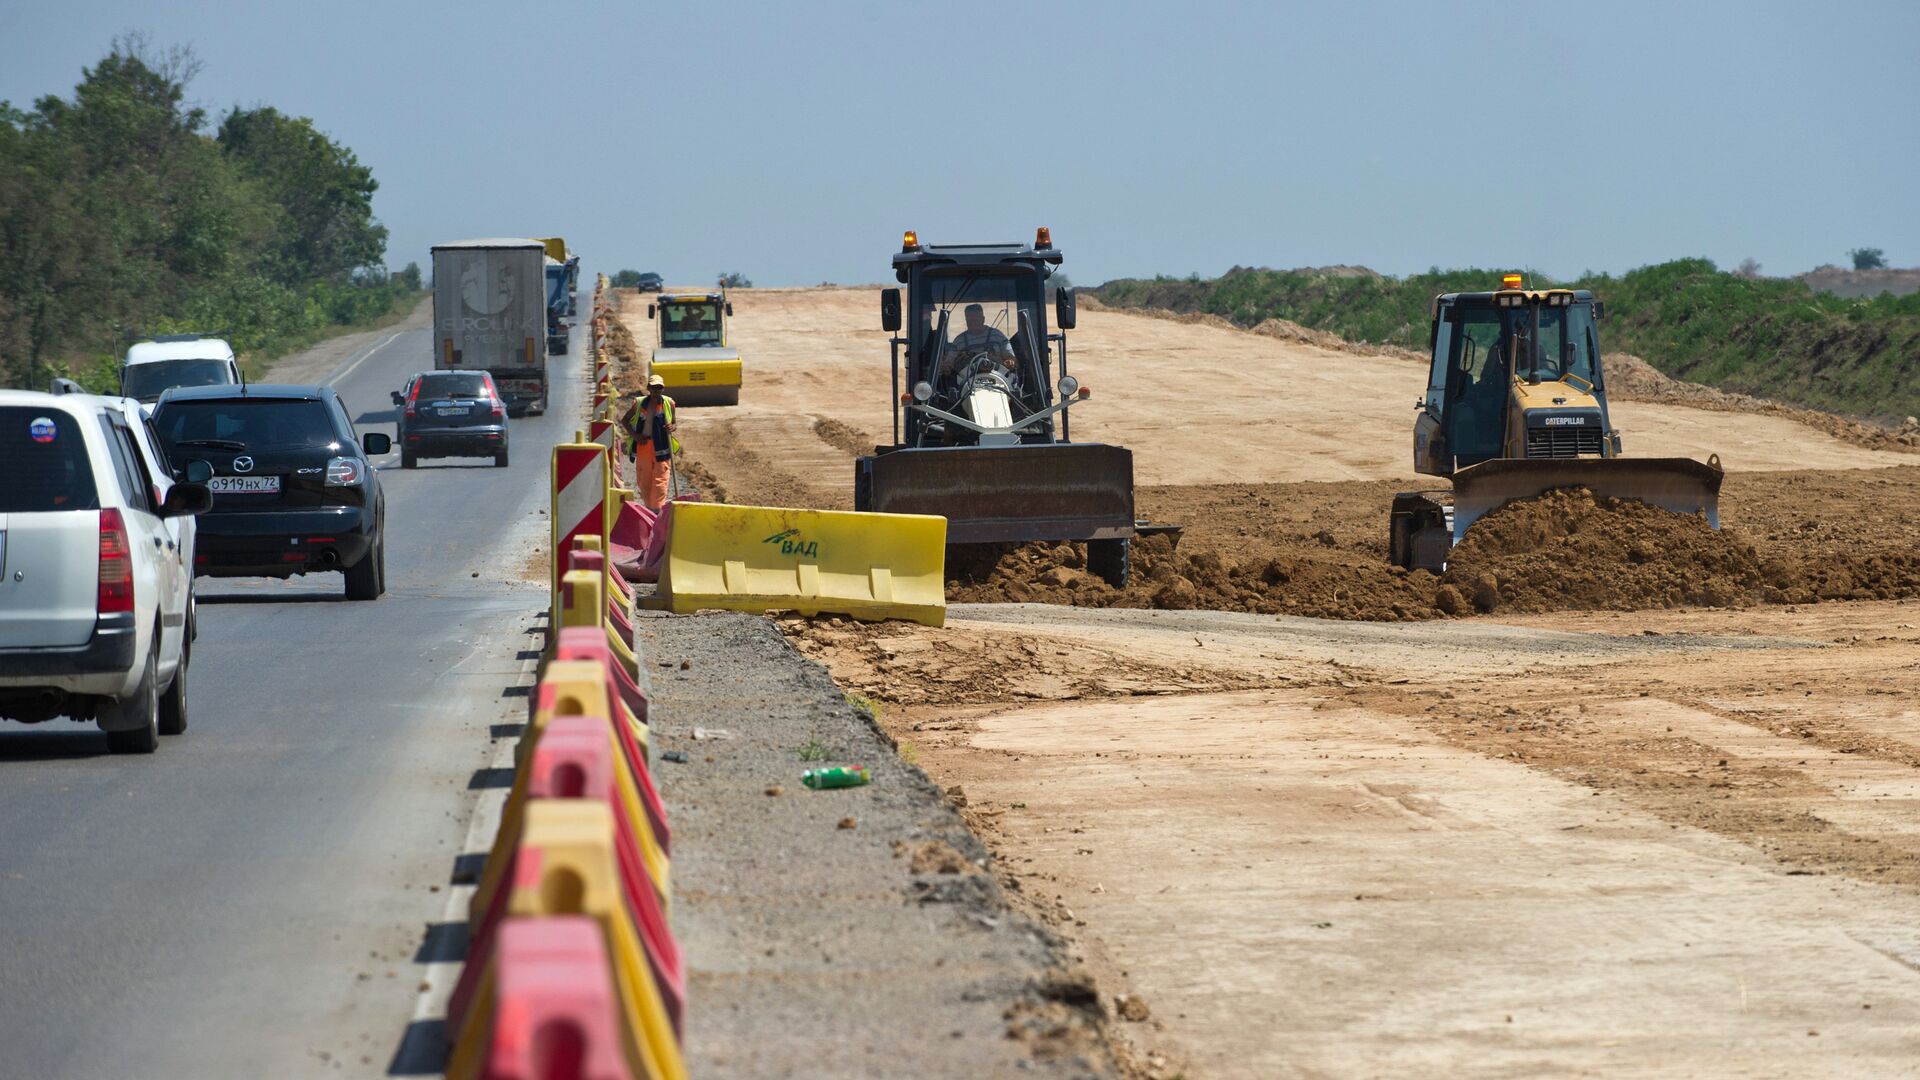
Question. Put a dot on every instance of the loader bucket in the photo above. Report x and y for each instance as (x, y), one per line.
(995, 494)
(1682, 485)
(757, 558)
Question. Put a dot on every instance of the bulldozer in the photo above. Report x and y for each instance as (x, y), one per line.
(692, 355)
(1515, 406)
(981, 398)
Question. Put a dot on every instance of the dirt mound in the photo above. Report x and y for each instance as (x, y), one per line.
(1568, 550)
(843, 436)
(1332, 587)
(1794, 542)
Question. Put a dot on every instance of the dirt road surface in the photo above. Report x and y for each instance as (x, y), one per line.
(1673, 839)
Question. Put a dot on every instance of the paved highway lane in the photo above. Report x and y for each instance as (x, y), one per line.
(253, 898)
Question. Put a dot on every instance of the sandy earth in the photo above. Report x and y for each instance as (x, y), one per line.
(1248, 408)
(1574, 843)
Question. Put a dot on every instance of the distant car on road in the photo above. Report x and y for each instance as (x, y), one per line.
(451, 414)
(170, 360)
(96, 591)
(294, 492)
(651, 282)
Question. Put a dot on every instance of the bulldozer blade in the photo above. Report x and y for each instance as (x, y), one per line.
(995, 494)
(1682, 485)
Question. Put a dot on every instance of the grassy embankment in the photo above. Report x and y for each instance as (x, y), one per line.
(1770, 337)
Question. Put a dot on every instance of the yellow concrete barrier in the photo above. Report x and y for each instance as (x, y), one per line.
(565, 866)
(753, 558)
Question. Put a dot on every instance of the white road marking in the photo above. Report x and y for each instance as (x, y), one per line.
(348, 369)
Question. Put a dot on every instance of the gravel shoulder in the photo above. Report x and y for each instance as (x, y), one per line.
(845, 933)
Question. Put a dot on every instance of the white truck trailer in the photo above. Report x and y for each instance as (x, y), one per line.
(490, 314)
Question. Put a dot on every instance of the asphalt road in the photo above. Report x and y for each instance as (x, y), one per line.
(260, 896)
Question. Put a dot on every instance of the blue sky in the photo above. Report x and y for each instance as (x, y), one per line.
(793, 142)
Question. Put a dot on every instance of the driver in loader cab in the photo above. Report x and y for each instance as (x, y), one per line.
(978, 339)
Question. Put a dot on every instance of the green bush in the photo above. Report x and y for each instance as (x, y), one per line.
(122, 216)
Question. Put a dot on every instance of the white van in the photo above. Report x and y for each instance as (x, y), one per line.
(170, 360)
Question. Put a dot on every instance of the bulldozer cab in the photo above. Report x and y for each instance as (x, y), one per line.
(1514, 373)
(691, 320)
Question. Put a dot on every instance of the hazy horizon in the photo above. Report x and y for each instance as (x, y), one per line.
(793, 145)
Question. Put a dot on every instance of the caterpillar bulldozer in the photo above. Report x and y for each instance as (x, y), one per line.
(692, 355)
(980, 430)
(1516, 405)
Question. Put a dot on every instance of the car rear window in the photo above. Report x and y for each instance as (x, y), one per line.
(255, 424)
(43, 462)
(149, 381)
(453, 384)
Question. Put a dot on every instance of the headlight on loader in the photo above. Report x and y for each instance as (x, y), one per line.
(1068, 386)
(923, 392)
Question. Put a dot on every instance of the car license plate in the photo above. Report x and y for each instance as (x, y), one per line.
(453, 411)
(250, 485)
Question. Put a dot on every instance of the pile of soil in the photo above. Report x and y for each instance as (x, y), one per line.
(1570, 549)
(1330, 587)
(1561, 551)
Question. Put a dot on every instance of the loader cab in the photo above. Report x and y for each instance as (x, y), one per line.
(974, 307)
(1514, 373)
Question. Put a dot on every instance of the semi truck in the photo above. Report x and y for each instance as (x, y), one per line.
(490, 314)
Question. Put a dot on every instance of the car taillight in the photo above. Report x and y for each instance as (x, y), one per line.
(344, 472)
(412, 396)
(116, 565)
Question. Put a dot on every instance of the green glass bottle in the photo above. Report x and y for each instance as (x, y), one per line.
(836, 777)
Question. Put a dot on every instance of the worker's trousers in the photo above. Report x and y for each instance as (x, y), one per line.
(656, 481)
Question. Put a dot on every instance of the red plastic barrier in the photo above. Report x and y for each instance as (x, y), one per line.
(573, 760)
(581, 643)
(555, 1013)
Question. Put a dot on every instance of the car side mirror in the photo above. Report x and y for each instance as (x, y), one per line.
(185, 500)
(1065, 311)
(649, 311)
(196, 472)
(729, 309)
(1599, 311)
(397, 398)
(890, 310)
(376, 443)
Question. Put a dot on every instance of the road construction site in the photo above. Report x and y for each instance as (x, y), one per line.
(1617, 793)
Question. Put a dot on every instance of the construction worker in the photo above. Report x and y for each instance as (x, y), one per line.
(650, 443)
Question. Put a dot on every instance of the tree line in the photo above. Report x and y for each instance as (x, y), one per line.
(125, 210)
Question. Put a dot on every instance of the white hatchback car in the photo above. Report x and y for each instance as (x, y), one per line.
(96, 586)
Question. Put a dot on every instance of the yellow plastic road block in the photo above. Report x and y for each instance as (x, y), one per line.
(752, 558)
(568, 688)
(585, 604)
(566, 867)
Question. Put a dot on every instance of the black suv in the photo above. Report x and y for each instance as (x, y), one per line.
(651, 282)
(451, 414)
(293, 491)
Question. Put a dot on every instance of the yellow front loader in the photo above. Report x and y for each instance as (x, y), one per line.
(1516, 405)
